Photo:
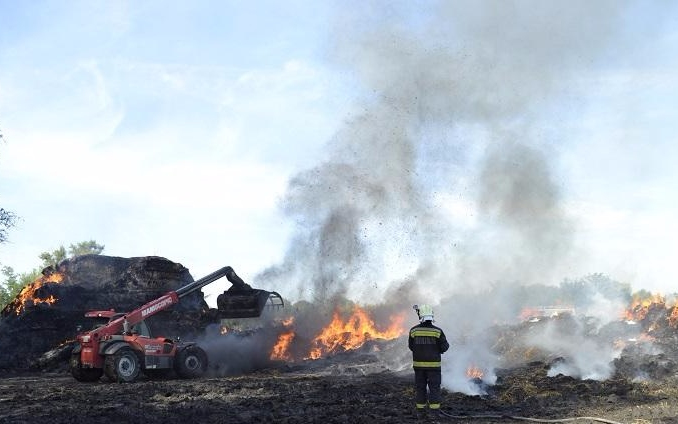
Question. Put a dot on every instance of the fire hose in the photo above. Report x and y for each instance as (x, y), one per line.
(534, 420)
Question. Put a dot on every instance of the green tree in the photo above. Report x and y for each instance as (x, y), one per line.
(53, 257)
(7, 221)
(83, 248)
(90, 247)
(13, 283)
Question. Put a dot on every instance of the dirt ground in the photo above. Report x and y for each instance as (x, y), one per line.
(327, 395)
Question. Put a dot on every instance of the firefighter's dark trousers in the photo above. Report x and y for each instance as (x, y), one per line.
(430, 377)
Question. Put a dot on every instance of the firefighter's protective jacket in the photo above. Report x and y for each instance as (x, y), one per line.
(427, 342)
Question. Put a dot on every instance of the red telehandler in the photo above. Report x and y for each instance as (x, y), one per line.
(123, 346)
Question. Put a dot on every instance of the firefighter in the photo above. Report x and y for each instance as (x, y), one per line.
(427, 342)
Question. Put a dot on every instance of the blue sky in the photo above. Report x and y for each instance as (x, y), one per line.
(173, 128)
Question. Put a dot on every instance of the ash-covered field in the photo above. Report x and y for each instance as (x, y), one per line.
(335, 390)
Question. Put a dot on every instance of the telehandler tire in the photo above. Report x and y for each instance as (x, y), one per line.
(123, 366)
(190, 362)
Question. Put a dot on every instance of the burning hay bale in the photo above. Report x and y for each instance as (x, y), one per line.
(42, 320)
(301, 338)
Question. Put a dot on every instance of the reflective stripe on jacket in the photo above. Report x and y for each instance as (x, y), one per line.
(427, 342)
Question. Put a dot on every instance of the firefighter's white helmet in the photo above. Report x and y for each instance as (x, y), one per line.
(425, 313)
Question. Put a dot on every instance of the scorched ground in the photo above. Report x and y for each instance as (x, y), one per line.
(345, 389)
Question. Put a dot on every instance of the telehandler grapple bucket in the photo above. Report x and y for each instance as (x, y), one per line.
(247, 302)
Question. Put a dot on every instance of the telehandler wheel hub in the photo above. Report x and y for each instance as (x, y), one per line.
(191, 362)
(126, 367)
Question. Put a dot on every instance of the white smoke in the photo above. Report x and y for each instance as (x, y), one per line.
(456, 101)
(452, 107)
(463, 357)
(583, 355)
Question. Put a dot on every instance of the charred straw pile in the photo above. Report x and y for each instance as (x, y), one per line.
(47, 313)
(646, 349)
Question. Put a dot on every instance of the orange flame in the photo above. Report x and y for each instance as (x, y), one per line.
(280, 350)
(474, 372)
(27, 294)
(341, 335)
(673, 317)
(640, 306)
